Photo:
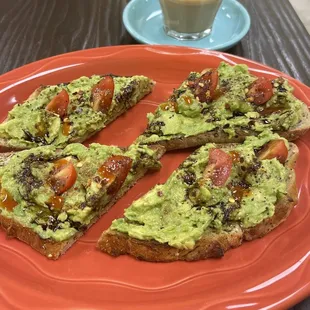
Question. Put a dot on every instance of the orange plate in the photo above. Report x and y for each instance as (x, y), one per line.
(272, 272)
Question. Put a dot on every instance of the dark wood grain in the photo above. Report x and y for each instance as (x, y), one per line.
(276, 38)
(34, 29)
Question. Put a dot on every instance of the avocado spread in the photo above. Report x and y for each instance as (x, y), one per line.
(28, 197)
(180, 211)
(30, 124)
(230, 111)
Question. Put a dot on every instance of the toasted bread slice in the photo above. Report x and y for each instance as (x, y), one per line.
(190, 118)
(213, 243)
(130, 91)
(52, 248)
(219, 136)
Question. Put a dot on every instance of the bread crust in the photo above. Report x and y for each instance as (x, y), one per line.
(213, 243)
(51, 248)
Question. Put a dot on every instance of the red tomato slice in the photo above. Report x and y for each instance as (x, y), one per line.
(219, 167)
(114, 172)
(260, 91)
(64, 176)
(274, 149)
(59, 104)
(206, 85)
(102, 94)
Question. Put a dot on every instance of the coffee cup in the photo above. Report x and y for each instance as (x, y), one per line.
(189, 19)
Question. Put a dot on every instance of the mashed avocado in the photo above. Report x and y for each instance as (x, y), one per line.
(229, 112)
(26, 178)
(30, 124)
(181, 210)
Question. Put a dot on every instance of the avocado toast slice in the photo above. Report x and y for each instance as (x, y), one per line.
(225, 105)
(49, 197)
(219, 196)
(71, 112)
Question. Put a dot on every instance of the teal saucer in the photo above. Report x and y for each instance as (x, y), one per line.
(144, 21)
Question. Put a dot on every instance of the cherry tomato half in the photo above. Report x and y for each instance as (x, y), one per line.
(274, 149)
(114, 172)
(260, 91)
(102, 94)
(59, 104)
(206, 85)
(64, 176)
(219, 167)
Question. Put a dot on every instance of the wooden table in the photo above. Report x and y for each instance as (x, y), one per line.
(34, 29)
